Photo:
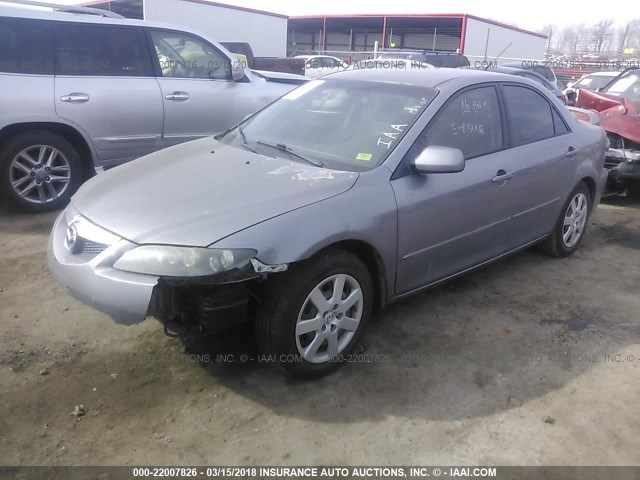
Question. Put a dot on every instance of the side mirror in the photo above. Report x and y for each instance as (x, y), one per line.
(237, 71)
(436, 159)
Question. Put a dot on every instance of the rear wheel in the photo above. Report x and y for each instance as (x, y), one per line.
(633, 191)
(570, 229)
(39, 171)
(314, 316)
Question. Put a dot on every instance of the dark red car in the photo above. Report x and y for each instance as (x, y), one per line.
(618, 105)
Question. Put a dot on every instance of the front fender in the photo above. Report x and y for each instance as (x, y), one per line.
(366, 213)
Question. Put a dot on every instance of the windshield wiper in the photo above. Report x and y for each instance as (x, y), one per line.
(244, 143)
(241, 132)
(284, 148)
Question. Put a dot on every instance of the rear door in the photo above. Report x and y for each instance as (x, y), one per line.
(105, 86)
(450, 222)
(543, 148)
(200, 97)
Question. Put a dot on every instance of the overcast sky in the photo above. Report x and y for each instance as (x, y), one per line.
(528, 14)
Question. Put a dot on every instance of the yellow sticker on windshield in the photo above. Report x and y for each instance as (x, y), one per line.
(364, 156)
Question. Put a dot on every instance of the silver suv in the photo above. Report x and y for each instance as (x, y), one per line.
(83, 93)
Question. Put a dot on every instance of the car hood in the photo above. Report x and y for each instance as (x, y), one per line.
(281, 77)
(617, 114)
(200, 192)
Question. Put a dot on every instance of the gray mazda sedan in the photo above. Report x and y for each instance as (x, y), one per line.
(348, 193)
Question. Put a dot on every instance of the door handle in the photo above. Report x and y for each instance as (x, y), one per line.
(503, 176)
(75, 97)
(177, 96)
(570, 152)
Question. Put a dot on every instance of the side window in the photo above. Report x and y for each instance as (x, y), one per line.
(559, 126)
(470, 121)
(529, 115)
(96, 50)
(26, 46)
(182, 55)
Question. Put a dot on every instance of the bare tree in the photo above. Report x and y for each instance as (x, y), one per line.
(601, 34)
(633, 37)
(572, 36)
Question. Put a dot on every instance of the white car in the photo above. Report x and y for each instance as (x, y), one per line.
(593, 81)
(319, 65)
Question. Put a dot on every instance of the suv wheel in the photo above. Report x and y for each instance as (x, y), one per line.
(313, 317)
(39, 171)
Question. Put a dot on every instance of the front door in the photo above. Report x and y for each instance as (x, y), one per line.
(450, 222)
(199, 94)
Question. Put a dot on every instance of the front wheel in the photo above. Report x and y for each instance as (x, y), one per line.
(570, 228)
(39, 171)
(313, 317)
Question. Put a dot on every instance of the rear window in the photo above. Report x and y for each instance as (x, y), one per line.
(26, 46)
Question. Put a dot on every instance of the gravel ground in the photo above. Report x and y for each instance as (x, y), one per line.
(530, 361)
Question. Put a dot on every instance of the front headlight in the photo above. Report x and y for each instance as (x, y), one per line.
(171, 261)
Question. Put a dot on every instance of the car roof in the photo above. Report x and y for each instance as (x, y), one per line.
(40, 14)
(603, 74)
(518, 71)
(431, 77)
(314, 56)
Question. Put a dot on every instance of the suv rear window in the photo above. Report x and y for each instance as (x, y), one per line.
(94, 50)
(26, 46)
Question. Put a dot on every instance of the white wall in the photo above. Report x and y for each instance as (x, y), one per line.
(266, 34)
(524, 46)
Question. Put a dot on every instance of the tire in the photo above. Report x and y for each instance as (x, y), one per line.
(562, 242)
(39, 156)
(633, 191)
(289, 298)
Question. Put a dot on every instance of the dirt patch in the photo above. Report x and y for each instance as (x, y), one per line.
(462, 374)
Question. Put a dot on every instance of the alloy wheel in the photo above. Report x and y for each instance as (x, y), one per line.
(329, 318)
(575, 219)
(40, 174)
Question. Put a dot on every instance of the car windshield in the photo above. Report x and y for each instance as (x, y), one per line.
(340, 124)
(626, 86)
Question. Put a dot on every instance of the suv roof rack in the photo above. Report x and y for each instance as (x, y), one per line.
(66, 8)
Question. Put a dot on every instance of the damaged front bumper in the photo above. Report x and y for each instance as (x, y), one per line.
(81, 256)
(623, 163)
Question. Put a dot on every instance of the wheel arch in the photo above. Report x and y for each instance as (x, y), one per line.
(372, 259)
(591, 185)
(69, 133)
